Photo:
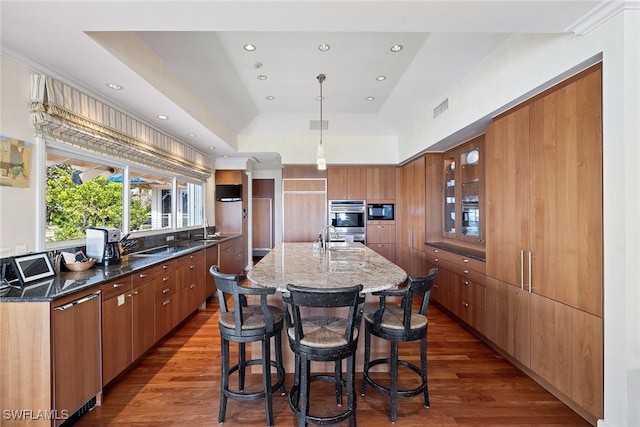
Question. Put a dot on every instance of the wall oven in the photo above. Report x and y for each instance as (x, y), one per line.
(348, 217)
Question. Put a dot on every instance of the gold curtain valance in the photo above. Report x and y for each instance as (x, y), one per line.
(65, 114)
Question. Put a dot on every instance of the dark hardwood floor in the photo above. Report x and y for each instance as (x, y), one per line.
(177, 384)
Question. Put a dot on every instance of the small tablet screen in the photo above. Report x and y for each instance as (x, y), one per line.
(33, 267)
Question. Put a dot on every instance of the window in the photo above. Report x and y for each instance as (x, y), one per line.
(83, 192)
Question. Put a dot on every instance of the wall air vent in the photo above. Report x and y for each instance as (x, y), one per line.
(441, 108)
(315, 124)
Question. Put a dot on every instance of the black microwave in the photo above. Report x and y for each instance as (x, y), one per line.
(380, 211)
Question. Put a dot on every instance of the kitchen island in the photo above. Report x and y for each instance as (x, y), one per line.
(340, 265)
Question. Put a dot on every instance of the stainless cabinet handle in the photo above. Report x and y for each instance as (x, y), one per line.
(143, 275)
(465, 282)
(118, 285)
(193, 285)
(465, 260)
(164, 279)
(136, 292)
(166, 302)
(77, 302)
(465, 271)
(465, 304)
(435, 251)
(192, 267)
(530, 260)
(165, 267)
(436, 260)
(165, 290)
(521, 269)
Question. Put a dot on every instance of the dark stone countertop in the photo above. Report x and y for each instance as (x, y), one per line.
(69, 282)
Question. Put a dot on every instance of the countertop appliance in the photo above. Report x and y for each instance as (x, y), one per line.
(103, 245)
(348, 221)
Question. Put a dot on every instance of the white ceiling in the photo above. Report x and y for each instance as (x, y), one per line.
(199, 75)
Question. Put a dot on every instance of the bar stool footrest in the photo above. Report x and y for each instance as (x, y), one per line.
(241, 395)
(334, 419)
(387, 390)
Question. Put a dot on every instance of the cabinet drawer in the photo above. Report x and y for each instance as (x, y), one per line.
(139, 278)
(165, 267)
(468, 263)
(381, 233)
(466, 273)
(116, 287)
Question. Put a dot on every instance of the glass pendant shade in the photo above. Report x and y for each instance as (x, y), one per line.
(321, 160)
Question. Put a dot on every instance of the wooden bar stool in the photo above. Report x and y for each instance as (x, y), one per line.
(399, 323)
(244, 323)
(325, 337)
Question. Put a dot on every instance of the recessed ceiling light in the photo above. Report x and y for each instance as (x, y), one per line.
(324, 47)
(396, 48)
(249, 47)
(192, 135)
(270, 98)
(381, 78)
(369, 98)
(211, 147)
(319, 98)
(163, 117)
(262, 77)
(115, 86)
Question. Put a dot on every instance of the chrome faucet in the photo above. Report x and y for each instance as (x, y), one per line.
(323, 234)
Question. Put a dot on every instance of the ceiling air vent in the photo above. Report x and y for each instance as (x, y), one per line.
(315, 124)
(441, 108)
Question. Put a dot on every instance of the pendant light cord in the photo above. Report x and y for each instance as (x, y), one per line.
(321, 78)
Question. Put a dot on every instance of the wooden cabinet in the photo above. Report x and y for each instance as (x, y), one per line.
(305, 210)
(460, 286)
(191, 285)
(143, 335)
(544, 237)
(128, 321)
(116, 327)
(410, 214)
(381, 237)
(211, 257)
(231, 260)
(76, 354)
(463, 192)
(344, 183)
(165, 288)
(381, 184)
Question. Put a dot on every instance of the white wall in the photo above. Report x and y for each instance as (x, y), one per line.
(18, 228)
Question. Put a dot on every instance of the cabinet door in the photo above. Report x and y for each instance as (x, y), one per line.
(566, 194)
(381, 184)
(566, 350)
(76, 343)
(508, 322)
(116, 333)
(143, 321)
(305, 216)
(356, 183)
(507, 196)
(387, 250)
(212, 259)
(337, 182)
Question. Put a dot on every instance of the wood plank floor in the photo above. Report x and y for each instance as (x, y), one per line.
(177, 384)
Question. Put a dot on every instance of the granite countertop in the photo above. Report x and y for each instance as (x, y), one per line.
(343, 264)
(69, 282)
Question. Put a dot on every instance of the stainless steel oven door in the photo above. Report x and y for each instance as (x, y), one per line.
(348, 217)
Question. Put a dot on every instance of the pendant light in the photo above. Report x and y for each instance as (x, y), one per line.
(321, 161)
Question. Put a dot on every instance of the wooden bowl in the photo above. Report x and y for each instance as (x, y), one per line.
(80, 266)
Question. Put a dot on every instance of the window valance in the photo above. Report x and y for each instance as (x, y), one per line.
(65, 114)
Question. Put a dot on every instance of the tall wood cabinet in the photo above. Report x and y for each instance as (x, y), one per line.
(410, 223)
(544, 238)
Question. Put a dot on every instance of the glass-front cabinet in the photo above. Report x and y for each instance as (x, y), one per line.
(463, 190)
